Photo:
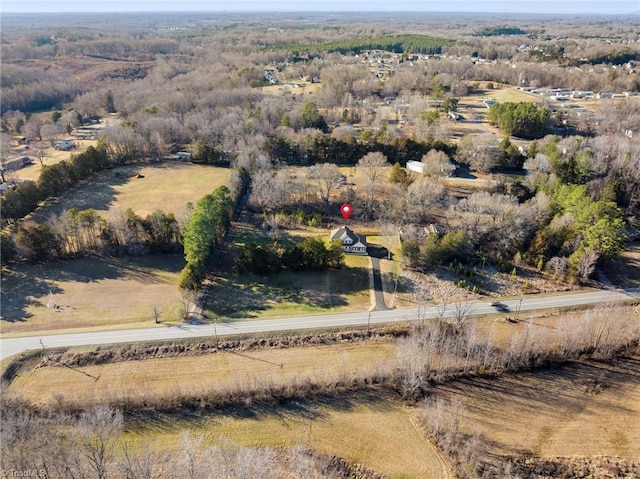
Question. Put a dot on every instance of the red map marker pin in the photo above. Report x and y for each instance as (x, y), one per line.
(346, 210)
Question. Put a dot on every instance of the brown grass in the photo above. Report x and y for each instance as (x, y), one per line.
(625, 271)
(579, 409)
(376, 433)
(52, 156)
(198, 375)
(90, 293)
(168, 186)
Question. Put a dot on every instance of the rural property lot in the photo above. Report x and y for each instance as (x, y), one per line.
(168, 186)
(99, 293)
(370, 430)
(578, 409)
(108, 292)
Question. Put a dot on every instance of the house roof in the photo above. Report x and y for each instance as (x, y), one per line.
(345, 232)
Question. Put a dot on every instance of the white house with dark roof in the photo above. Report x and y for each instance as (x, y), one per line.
(352, 242)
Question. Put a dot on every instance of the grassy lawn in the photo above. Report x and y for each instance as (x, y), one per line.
(90, 293)
(168, 186)
(51, 157)
(625, 271)
(290, 294)
(242, 296)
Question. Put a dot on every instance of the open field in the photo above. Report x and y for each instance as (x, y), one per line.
(90, 293)
(168, 186)
(198, 375)
(377, 433)
(107, 292)
(298, 88)
(579, 409)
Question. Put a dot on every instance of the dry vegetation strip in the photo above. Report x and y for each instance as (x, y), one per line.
(579, 409)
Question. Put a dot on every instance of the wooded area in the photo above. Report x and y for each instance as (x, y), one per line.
(202, 86)
(475, 151)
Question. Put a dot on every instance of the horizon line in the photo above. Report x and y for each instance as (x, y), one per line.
(457, 12)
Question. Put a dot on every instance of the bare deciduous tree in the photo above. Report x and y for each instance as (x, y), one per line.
(461, 309)
(586, 263)
(558, 266)
(5, 151)
(373, 165)
(424, 195)
(97, 431)
(436, 163)
(326, 177)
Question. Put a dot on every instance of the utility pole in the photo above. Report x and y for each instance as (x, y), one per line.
(515, 316)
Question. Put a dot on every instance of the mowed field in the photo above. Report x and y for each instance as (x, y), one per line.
(90, 293)
(144, 188)
(588, 409)
(108, 292)
(192, 376)
(376, 432)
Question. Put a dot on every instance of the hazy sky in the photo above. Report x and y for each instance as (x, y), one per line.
(631, 7)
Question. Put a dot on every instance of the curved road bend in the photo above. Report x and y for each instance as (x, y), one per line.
(9, 347)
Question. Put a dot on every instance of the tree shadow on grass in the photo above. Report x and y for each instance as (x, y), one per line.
(244, 296)
(566, 389)
(28, 285)
(18, 293)
(317, 408)
(97, 193)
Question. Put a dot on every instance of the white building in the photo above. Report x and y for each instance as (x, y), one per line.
(352, 243)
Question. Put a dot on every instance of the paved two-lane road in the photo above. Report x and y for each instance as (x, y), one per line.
(12, 346)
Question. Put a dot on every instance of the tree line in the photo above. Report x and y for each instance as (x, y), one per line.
(524, 119)
(390, 43)
(75, 233)
(54, 180)
(312, 254)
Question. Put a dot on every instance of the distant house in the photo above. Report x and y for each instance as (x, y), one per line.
(446, 169)
(352, 242)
